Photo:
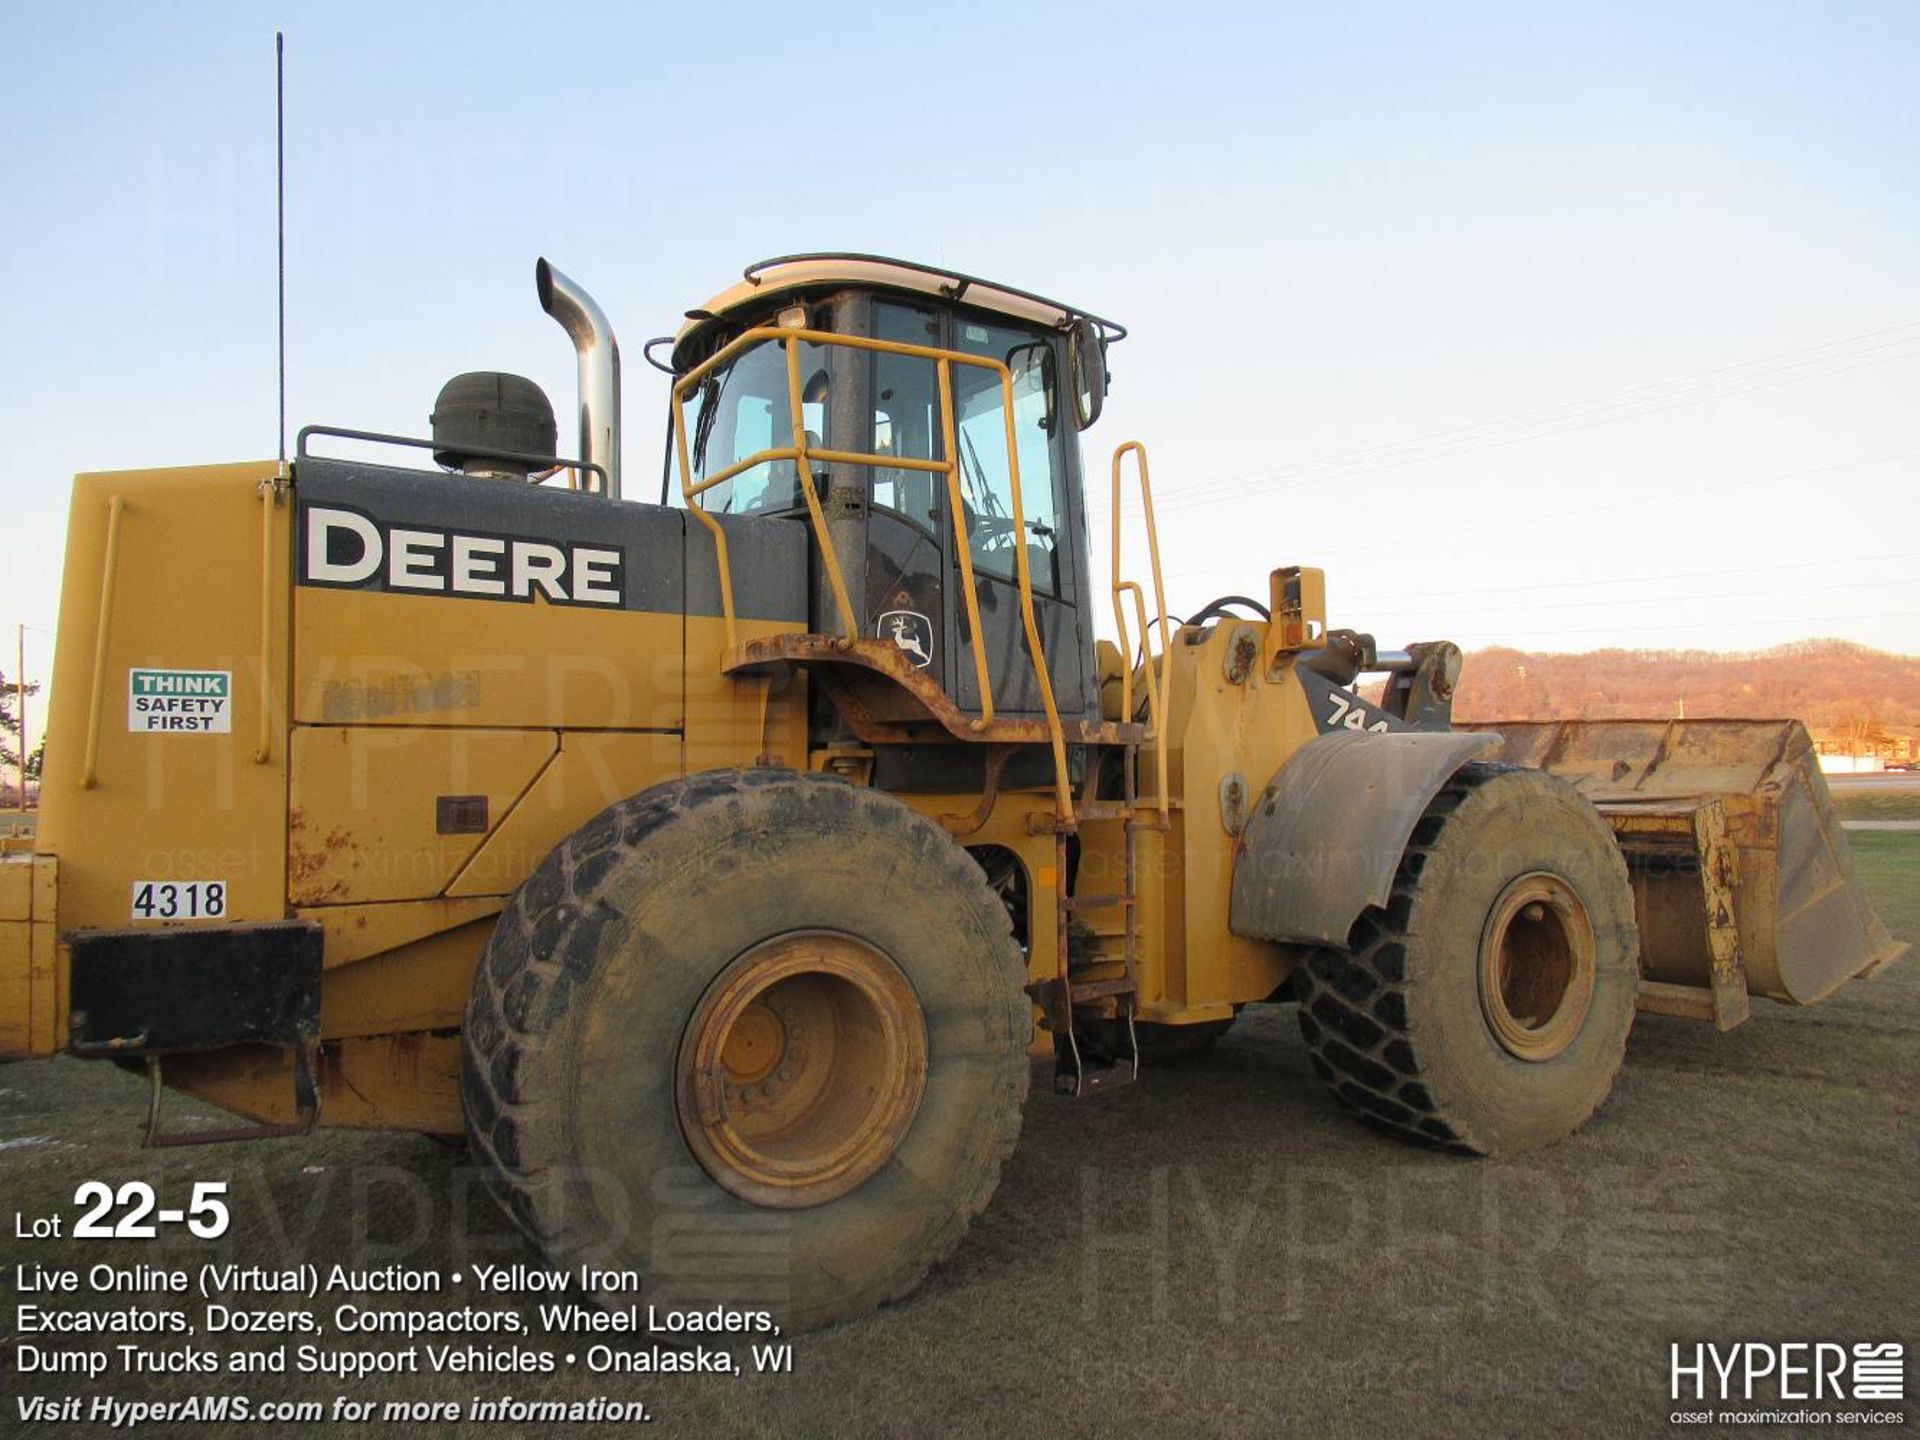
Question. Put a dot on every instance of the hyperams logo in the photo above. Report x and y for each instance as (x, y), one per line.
(348, 550)
(1845, 1379)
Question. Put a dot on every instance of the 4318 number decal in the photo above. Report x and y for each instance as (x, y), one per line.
(179, 899)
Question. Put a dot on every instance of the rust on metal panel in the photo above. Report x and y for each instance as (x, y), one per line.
(1243, 649)
(310, 858)
(1685, 872)
(906, 704)
(363, 816)
(1720, 882)
(960, 826)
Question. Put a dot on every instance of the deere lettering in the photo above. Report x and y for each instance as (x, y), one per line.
(190, 701)
(348, 550)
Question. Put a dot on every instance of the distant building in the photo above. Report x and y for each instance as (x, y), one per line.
(1841, 756)
(1832, 764)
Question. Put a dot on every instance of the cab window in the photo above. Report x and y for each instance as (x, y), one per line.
(906, 415)
(743, 410)
(986, 477)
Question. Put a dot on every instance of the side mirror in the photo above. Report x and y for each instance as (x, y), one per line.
(1086, 371)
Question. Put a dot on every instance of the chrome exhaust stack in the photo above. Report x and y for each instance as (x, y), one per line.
(587, 326)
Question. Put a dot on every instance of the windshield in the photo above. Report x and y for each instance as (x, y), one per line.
(979, 403)
(744, 409)
(907, 422)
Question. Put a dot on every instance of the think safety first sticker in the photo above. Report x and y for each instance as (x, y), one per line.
(180, 701)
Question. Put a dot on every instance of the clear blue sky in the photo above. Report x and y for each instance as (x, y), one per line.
(1550, 325)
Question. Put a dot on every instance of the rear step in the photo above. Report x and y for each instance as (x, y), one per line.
(1080, 1070)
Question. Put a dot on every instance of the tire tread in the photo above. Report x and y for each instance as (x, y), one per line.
(532, 970)
(1354, 1011)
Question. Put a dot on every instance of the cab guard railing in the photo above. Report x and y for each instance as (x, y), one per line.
(803, 454)
(1157, 684)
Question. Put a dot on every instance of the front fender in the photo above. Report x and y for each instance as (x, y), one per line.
(1327, 834)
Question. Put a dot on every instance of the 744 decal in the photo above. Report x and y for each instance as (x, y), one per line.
(1350, 713)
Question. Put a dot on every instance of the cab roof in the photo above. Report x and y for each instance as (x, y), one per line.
(825, 270)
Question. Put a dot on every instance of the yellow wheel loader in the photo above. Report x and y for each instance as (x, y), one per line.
(716, 860)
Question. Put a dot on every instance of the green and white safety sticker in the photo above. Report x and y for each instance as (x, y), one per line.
(196, 702)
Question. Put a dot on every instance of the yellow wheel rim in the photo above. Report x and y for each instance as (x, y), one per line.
(801, 1069)
(1536, 966)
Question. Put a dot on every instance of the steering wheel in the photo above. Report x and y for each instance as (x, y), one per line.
(989, 531)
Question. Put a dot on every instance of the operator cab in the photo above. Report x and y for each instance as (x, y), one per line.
(873, 431)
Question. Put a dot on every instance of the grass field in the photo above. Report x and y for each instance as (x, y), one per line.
(1218, 1250)
(1889, 867)
(1870, 805)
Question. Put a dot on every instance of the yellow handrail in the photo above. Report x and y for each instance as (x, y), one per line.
(269, 497)
(801, 453)
(1156, 686)
(1062, 786)
(91, 762)
(950, 442)
(851, 627)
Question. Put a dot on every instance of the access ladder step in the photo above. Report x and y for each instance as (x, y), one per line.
(1084, 991)
(1056, 997)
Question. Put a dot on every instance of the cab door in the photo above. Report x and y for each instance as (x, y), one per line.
(915, 586)
(995, 539)
(910, 579)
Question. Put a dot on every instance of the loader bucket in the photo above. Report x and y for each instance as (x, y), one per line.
(1741, 876)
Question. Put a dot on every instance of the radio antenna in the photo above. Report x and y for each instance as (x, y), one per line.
(280, 197)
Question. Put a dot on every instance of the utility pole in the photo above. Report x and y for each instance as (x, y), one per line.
(20, 691)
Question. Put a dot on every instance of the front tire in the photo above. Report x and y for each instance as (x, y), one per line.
(1486, 1008)
(757, 1037)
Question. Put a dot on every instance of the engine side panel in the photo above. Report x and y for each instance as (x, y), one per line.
(166, 757)
(427, 599)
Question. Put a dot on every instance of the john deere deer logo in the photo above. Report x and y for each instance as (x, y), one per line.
(911, 631)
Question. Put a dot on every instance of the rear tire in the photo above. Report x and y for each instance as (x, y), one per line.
(633, 1115)
(1486, 1008)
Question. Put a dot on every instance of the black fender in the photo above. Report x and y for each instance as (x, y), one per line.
(1326, 835)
